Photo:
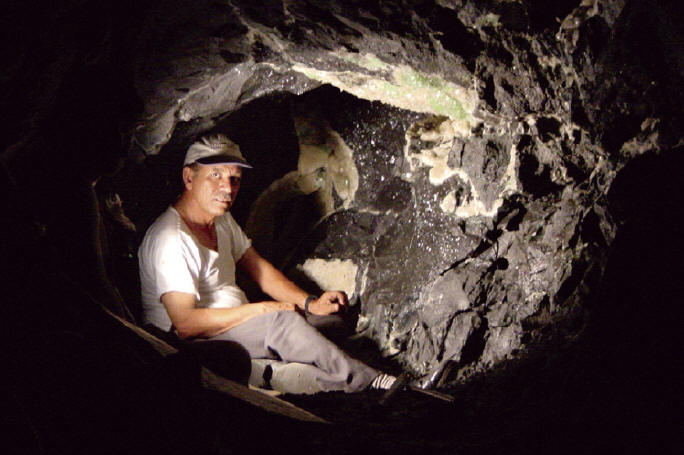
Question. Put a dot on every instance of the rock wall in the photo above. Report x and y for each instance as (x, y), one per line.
(447, 163)
(456, 260)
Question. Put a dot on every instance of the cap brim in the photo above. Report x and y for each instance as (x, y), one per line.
(223, 159)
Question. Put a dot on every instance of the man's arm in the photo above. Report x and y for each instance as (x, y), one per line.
(207, 322)
(275, 284)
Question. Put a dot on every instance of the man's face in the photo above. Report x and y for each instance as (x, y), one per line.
(213, 187)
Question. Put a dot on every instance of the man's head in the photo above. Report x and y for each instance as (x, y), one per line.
(215, 149)
(211, 175)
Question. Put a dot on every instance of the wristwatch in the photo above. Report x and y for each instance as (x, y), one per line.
(308, 300)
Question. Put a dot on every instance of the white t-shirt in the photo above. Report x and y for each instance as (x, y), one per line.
(172, 259)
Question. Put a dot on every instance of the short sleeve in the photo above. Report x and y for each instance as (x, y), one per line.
(166, 267)
(176, 272)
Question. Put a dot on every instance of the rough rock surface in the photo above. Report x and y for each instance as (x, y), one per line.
(452, 157)
(466, 170)
(458, 172)
(463, 173)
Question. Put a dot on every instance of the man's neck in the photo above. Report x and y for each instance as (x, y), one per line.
(201, 227)
(193, 216)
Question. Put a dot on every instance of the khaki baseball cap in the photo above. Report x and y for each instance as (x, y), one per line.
(215, 149)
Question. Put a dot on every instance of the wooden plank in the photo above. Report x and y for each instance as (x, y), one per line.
(212, 381)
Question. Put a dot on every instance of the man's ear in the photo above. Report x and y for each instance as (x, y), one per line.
(188, 175)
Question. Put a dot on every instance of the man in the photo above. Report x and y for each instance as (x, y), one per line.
(187, 268)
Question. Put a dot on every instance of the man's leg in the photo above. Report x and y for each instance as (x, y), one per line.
(286, 335)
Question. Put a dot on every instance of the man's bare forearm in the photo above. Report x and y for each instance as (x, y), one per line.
(278, 286)
(209, 322)
(271, 280)
(282, 289)
(191, 322)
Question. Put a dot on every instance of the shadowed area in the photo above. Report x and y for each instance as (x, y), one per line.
(496, 186)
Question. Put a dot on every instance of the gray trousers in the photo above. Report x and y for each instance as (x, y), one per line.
(285, 335)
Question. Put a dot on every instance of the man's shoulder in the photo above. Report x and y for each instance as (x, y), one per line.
(227, 223)
(226, 219)
(165, 226)
(164, 239)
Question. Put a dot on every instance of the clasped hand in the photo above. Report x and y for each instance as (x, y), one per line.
(329, 302)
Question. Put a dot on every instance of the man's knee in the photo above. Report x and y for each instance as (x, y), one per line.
(290, 323)
(289, 318)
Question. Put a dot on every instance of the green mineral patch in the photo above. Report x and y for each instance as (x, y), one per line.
(368, 61)
(399, 86)
(446, 105)
(412, 78)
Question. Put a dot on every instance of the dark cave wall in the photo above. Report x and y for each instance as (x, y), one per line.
(458, 180)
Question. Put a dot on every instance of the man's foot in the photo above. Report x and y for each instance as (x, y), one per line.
(383, 382)
(405, 382)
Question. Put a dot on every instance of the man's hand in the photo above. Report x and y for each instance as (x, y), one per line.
(328, 303)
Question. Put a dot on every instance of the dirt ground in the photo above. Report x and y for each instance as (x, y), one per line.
(565, 400)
